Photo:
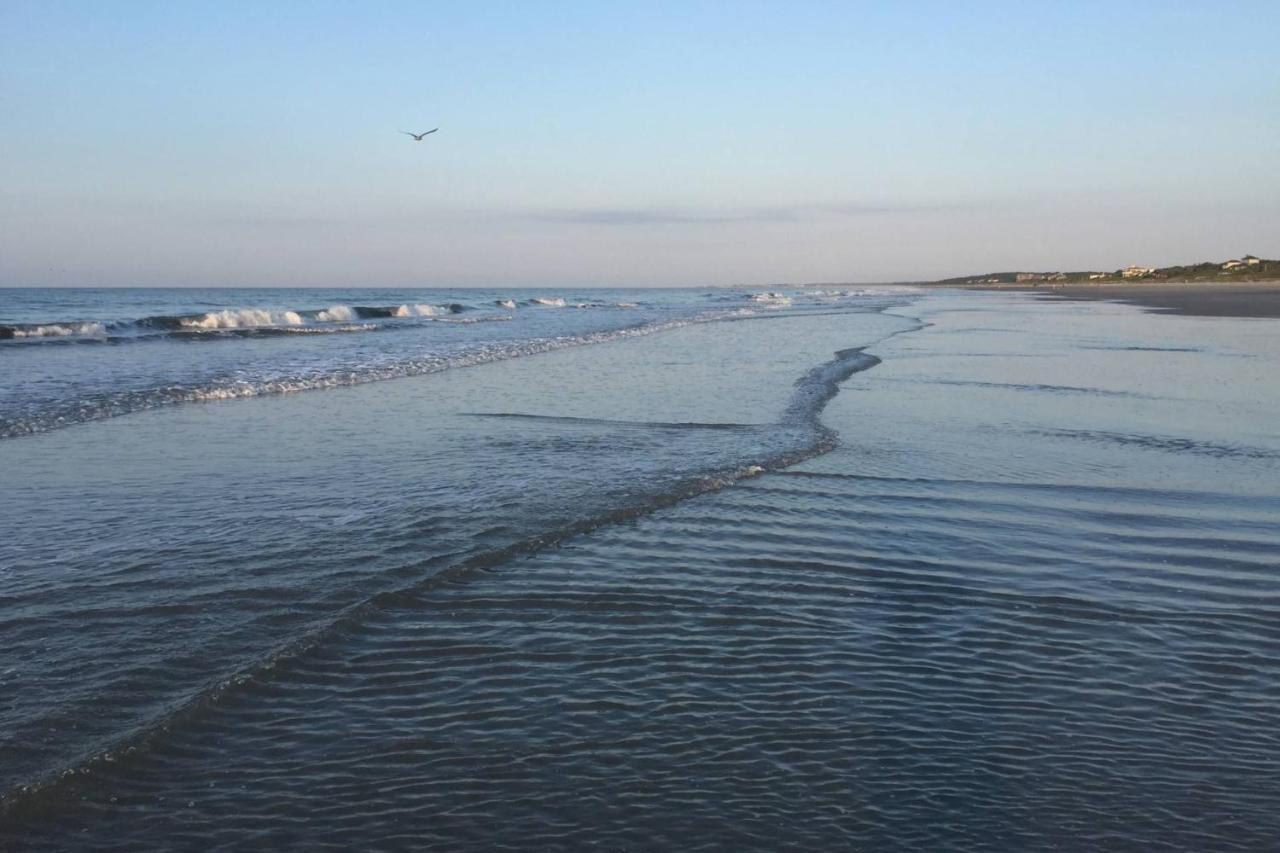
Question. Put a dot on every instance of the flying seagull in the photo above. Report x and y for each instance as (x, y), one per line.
(417, 137)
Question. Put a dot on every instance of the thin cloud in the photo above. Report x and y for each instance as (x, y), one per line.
(677, 216)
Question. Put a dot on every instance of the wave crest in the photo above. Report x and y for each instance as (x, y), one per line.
(54, 330)
(336, 314)
(776, 300)
(243, 318)
(417, 311)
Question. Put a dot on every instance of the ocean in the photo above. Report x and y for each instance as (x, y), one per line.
(865, 568)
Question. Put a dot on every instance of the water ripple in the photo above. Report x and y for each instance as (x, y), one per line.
(691, 679)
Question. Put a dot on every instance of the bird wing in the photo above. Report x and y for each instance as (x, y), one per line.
(407, 133)
(432, 130)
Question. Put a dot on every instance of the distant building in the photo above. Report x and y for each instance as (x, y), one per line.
(1136, 272)
(1094, 276)
(1231, 265)
(1030, 276)
(1251, 260)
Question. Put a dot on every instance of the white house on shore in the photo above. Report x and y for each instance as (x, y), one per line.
(1136, 272)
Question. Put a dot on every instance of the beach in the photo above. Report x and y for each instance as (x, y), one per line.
(600, 426)
(874, 568)
(1250, 299)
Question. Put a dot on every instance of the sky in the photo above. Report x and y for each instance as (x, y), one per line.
(630, 144)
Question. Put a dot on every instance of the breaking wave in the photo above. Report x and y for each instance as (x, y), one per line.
(110, 404)
(337, 314)
(52, 330)
(780, 300)
(345, 365)
(243, 318)
(416, 311)
(267, 319)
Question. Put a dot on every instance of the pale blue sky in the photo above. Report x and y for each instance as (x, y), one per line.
(656, 143)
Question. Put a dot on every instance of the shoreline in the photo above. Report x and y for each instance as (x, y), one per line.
(1259, 299)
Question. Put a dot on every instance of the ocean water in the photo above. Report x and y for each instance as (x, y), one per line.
(854, 568)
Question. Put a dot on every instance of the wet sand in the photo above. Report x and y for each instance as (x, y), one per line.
(1204, 299)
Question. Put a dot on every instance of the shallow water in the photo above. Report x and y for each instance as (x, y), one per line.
(637, 594)
(74, 356)
(152, 559)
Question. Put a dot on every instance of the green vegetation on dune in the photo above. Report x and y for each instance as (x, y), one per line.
(1248, 268)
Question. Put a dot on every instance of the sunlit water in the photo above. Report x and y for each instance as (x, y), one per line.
(650, 584)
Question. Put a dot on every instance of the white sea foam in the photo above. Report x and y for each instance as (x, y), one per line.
(417, 311)
(330, 330)
(490, 318)
(776, 300)
(893, 290)
(553, 302)
(336, 314)
(61, 330)
(509, 304)
(244, 318)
